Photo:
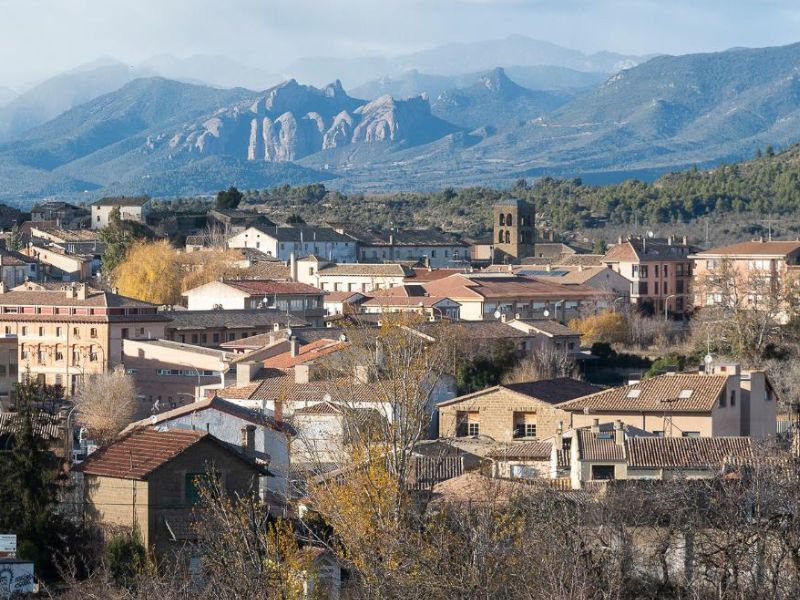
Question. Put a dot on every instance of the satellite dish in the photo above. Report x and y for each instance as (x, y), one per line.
(546, 313)
(289, 331)
(650, 234)
(343, 338)
(326, 398)
(153, 419)
(497, 314)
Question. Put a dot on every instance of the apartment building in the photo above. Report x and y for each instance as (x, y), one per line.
(348, 277)
(65, 332)
(212, 328)
(754, 266)
(429, 247)
(660, 271)
(59, 265)
(16, 268)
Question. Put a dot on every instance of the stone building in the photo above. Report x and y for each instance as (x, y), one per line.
(514, 230)
(505, 413)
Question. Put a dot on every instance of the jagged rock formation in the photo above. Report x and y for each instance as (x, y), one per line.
(292, 121)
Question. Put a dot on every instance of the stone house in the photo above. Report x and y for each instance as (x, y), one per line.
(148, 480)
(726, 401)
(512, 412)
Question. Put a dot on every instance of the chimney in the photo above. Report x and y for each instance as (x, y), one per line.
(391, 239)
(669, 240)
(80, 291)
(503, 318)
(70, 289)
(248, 440)
(361, 374)
(293, 346)
(619, 240)
(596, 426)
(619, 433)
(245, 371)
(292, 267)
(276, 326)
(685, 241)
(3, 288)
(277, 414)
(558, 439)
(301, 373)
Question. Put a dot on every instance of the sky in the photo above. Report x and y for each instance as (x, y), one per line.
(39, 38)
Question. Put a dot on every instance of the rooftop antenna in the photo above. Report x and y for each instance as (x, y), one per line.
(769, 226)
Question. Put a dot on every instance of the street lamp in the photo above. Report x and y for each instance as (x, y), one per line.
(617, 299)
(546, 312)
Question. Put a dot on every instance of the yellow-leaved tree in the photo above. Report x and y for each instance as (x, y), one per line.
(607, 326)
(150, 272)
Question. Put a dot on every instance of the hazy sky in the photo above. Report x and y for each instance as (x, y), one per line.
(43, 37)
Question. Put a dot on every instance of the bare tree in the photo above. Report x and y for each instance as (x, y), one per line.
(545, 362)
(106, 403)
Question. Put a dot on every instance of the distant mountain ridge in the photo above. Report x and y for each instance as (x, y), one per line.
(167, 137)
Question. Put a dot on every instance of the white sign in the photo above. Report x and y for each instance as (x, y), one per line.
(8, 543)
(16, 578)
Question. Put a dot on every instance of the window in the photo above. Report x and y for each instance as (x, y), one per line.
(602, 472)
(473, 429)
(665, 270)
(679, 270)
(643, 288)
(508, 237)
(502, 220)
(655, 268)
(93, 332)
(635, 393)
(193, 482)
(76, 332)
(643, 271)
(58, 331)
(685, 394)
(194, 338)
(733, 397)
(655, 288)
(124, 333)
(24, 330)
(215, 337)
(509, 220)
(691, 434)
(500, 237)
(8, 330)
(41, 331)
(59, 355)
(722, 401)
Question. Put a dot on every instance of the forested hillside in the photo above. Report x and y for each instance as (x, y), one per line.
(770, 183)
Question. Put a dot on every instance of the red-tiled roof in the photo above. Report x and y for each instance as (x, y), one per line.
(687, 453)
(592, 446)
(504, 286)
(671, 392)
(307, 353)
(267, 286)
(524, 451)
(401, 301)
(423, 275)
(341, 296)
(768, 248)
(275, 383)
(140, 452)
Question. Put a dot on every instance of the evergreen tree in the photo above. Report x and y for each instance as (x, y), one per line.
(118, 237)
(229, 199)
(31, 477)
(14, 241)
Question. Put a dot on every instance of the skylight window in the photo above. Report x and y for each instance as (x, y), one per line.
(685, 394)
(635, 393)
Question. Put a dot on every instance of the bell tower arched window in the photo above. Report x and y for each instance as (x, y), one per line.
(502, 220)
(500, 237)
(508, 237)
(509, 220)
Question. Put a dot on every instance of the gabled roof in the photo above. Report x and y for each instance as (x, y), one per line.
(141, 451)
(257, 287)
(421, 275)
(648, 249)
(272, 384)
(304, 233)
(549, 327)
(775, 249)
(45, 425)
(307, 353)
(214, 403)
(58, 297)
(345, 297)
(230, 319)
(551, 391)
(504, 286)
(408, 301)
(686, 453)
(592, 447)
(524, 451)
(364, 270)
(406, 237)
(665, 393)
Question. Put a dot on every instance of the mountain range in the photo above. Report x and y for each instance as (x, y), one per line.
(165, 137)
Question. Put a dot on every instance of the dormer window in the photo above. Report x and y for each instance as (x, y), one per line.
(634, 393)
(685, 394)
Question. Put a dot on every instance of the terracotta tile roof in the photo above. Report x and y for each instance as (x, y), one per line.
(478, 330)
(214, 403)
(473, 488)
(140, 452)
(687, 453)
(586, 260)
(401, 301)
(769, 248)
(58, 297)
(9, 258)
(304, 335)
(407, 290)
(48, 426)
(650, 249)
(275, 383)
(421, 275)
(265, 269)
(364, 270)
(504, 286)
(671, 392)
(307, 353)
(342, 296)
(321, 408)
(268, 286)
(601, 446)
(525, 451)
(554, 391)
